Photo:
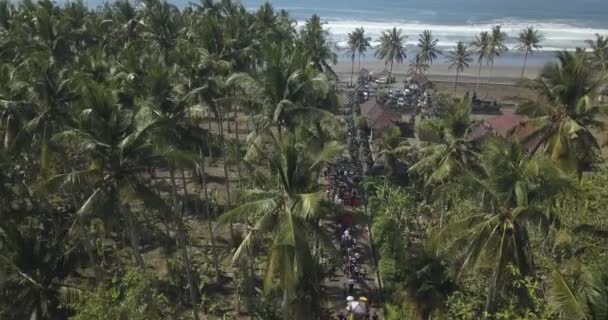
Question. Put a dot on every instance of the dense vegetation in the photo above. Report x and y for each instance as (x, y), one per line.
(113, 119)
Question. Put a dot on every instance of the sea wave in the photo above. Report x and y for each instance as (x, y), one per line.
(558, 35)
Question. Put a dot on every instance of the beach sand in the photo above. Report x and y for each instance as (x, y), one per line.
(502, 86)
(500, 73)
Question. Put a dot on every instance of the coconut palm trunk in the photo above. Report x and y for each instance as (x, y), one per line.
(181, 239)
(203, 180)
(133, 235)
(523, 70)
(238, 146)
(226, 177)
(478, 77)
(456, 82)
(352, 70)
(87, 242)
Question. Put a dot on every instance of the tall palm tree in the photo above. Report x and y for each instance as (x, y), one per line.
(162, 26)
(497, 46)
(418, 65)
(562, 125)
(353, 47)
(428, 47)
(363, 42)
(287, 212)
(513, 188)
(481, 45)
(316, 46)
(284, 90)
(392, 47)
(459, 58)
(40, 84)
(392, 147)
(600, 52)
(115, 139)
(529, 39)
(446, 151)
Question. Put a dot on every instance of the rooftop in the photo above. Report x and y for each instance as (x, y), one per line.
(378, 118)
(509, 125)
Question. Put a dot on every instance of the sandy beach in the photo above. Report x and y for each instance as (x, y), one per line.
(440, 72)
(502, 86)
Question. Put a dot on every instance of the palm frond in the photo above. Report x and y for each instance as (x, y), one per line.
(261, 206)
(563, 299)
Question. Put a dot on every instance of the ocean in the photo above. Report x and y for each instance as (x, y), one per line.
(564, 24)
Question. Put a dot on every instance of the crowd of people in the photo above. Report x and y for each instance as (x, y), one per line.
(341, 178)
(354, 279)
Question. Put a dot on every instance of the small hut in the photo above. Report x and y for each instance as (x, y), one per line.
(384, 74)
(420, 81)
(364, 76)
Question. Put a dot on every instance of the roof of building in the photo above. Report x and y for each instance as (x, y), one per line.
(509, 125)
(383, 73)
(364, 71)
(378, 118)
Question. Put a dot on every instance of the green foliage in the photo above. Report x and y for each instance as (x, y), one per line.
(99, 109)
(132, 296)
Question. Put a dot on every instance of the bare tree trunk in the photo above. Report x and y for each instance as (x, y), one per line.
(133, 236)
(226, 177)
(352, 70)
(203, 178)
(456, 82)
(87, 243)
(478, 77)
(238, 146)
(524, 68)
(182, 243)
(285, 305)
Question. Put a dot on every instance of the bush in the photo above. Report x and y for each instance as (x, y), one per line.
(133, 298)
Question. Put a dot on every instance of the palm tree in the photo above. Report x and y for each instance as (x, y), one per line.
(115, 138)
(529, 39)
(496, 47)
(363, 42)
(163, 24)
(562, 125)
(427, 45)
(513, 188)
(287, 213)
(418, 65)
(392, 47)
(285, 92)
(353, 47)
(481, 44)
(459, 58)
(393, 146)
(49, 93)
(600, 52)
(316, 48)
(446, 151)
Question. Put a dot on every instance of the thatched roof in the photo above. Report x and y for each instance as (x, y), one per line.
(377, 117)
(510, 125)
(364, 72)
(383, 73)
(419, 79)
